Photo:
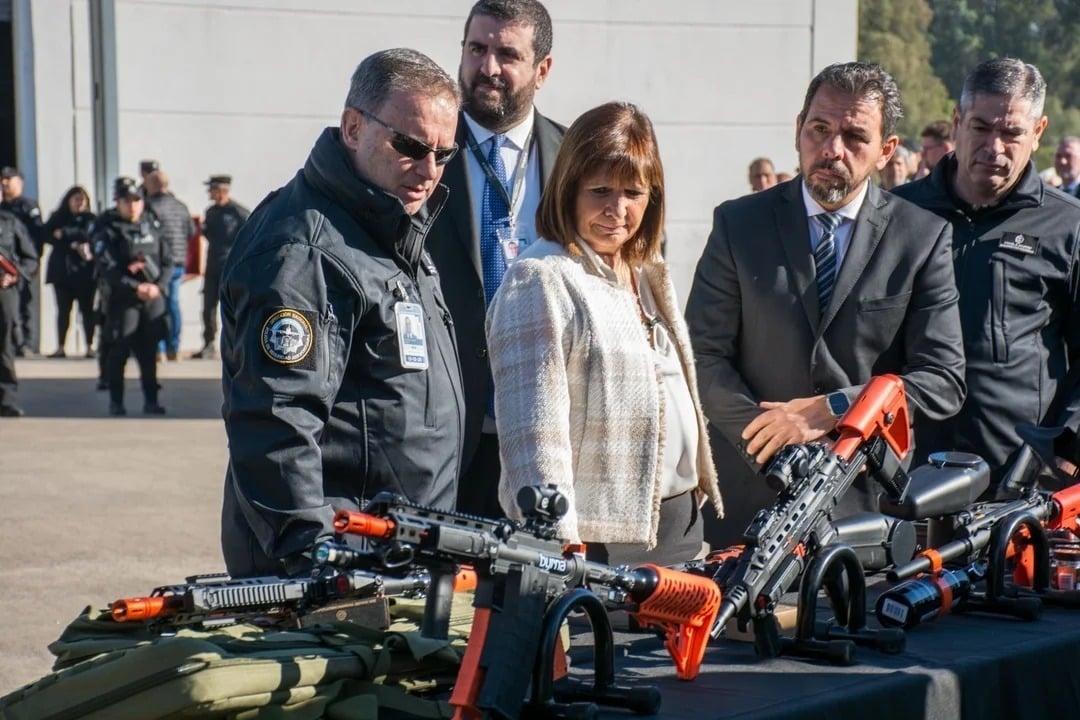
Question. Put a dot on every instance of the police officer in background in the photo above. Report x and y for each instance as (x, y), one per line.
(329, 399)
(222, 223)
(27, 211)
(135, 264)
(18, 259)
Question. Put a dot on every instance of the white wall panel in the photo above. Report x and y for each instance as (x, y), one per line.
(245, 86)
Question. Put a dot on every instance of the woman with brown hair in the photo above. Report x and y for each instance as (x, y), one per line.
(595, 390)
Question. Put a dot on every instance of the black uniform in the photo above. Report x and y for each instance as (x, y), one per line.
(323, 406)
(1018, 276)
(70, 271)
(16, 248)
(28, 329)
(220, 228)
(132, 326)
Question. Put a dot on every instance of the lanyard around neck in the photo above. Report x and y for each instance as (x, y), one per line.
(517, 180)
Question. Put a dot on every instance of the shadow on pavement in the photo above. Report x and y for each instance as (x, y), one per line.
(183, 398)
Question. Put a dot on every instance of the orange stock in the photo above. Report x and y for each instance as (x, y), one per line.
(685, 607)
(347, 522)
(882, 405)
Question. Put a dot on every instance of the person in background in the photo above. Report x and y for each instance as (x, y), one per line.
(18, 257)
(896, 170)
(70, 268)
(1067, 165)
(145, 168)
(507, 151)
(595, 388)
(762, 174)
(27, 331)
(222, 222)
(936, 143)
(135, 263)
(176, 227)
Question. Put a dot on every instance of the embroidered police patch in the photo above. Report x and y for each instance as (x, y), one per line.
(287, 336)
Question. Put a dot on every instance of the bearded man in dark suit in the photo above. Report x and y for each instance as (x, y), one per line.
(508, 149)
(807, 290)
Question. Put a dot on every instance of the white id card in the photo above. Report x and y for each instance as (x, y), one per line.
(411, 338)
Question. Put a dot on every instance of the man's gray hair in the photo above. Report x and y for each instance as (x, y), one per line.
(864, 82)
(1009, 77)
(383, 73)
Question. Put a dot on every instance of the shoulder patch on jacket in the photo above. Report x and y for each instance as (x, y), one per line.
(288, 335)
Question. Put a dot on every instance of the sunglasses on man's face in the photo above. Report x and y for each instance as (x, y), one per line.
(412, 148)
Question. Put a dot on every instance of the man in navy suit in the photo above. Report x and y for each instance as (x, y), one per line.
(808, 289)
(490, 215)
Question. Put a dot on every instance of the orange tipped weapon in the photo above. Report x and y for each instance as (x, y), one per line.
(347, 522)
(141, 609)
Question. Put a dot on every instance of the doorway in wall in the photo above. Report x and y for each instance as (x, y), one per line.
(7, 88)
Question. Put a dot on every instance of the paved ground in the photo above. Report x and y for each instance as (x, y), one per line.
(94, 508)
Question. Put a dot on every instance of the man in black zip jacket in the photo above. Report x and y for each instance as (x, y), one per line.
(330, 393)
(1015, 245)
(18, 259)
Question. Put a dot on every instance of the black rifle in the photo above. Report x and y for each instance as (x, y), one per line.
(526, 585)
(215, 600)
(797, 532)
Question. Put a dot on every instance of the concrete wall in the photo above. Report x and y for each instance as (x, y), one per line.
(245, 86)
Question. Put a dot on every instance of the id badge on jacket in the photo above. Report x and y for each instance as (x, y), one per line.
(412, 340)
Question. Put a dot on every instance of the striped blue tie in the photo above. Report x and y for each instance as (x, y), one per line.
(825, 258)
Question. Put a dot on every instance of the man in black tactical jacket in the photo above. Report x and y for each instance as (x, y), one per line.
(18, 259)
(135, 265)
(28, 328)
(1015, 245)
(328, 400)
(223, 221)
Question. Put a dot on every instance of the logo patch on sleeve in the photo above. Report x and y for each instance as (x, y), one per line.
(287, 337)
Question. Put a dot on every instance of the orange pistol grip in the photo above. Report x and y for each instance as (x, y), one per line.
(470, 678)
(685, 606)
(347, 522)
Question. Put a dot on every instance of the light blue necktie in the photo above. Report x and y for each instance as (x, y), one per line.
(493, 215)
(825, 258)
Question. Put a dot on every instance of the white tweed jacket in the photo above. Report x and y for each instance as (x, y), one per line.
(578, 396)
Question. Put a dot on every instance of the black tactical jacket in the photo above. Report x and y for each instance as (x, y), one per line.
(16, 245)
(1018, 276)
(29, 214)
(127, 254)
(222, 224)
(319, 410)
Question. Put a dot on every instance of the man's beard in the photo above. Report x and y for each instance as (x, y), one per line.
(499, 114)
(836, 191)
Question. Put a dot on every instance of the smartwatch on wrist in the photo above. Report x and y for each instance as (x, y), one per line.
(838, 404)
